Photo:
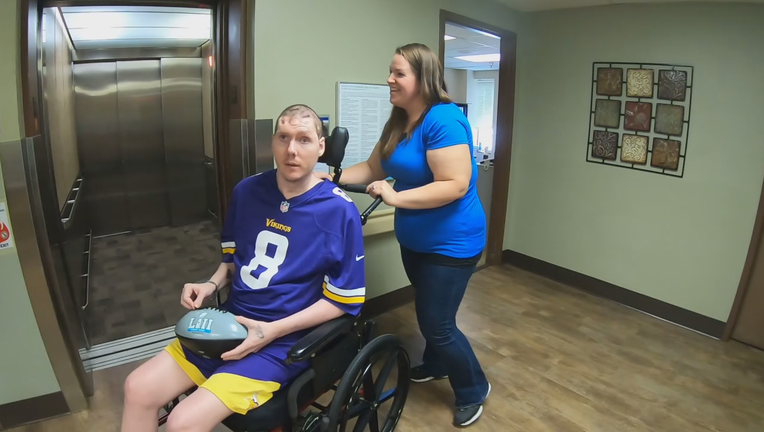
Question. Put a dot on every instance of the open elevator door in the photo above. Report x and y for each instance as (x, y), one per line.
(32, 198)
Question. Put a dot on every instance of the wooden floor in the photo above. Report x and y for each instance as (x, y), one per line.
(558, 360)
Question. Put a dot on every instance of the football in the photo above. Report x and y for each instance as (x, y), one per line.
(210, 332)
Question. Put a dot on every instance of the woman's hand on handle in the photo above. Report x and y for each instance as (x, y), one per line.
(382, 188)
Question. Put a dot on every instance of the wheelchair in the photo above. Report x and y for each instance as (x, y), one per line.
(341, 356)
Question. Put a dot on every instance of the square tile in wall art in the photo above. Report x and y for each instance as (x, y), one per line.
(672, 85)
(639, 83)
(605, 144)
(639, 116)
(669, 119)
(609, 81)
(665, 153)
(607, 113)
(634, 149)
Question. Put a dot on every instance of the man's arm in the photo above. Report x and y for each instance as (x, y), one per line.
(220, 277)
(318, 313)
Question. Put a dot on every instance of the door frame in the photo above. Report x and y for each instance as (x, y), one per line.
(745, 277)
(233, 76)
(505, 114)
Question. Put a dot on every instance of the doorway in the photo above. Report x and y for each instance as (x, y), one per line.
(128, 104)
(134, 126)
(479, 65)
(746, 321)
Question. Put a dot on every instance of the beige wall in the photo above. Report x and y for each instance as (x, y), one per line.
(456, 83)
(303, 48)
(682, 241)
(59, 89)
(25, 369)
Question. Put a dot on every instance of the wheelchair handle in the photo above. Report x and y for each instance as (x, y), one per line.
(359, 188)
(355, 188)
(367, 212)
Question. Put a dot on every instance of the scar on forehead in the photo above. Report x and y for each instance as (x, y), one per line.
(303, 116)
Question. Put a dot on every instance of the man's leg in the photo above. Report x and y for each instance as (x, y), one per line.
(200, 412)
(237, 386)
(148, 388)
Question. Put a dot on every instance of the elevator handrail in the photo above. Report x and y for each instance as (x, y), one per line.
(68, 220)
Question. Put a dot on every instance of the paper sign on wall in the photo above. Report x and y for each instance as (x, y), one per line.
(6, 238)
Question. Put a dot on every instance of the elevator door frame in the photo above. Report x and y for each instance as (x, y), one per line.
(233, 76)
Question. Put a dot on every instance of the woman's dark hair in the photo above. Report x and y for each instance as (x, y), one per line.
(429, 73)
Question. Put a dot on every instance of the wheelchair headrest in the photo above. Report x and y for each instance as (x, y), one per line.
(335, 146)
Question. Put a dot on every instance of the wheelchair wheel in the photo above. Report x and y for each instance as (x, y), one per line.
(359, 395)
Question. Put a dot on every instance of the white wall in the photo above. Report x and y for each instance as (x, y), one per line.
(682, 241)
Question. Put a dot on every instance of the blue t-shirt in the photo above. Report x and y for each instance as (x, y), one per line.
(288, 254)
(457, 229)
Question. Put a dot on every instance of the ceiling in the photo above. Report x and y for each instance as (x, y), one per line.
(539, 5)
(107, 27)
(470, 49)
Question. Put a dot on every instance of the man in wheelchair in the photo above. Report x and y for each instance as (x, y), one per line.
(293, 252)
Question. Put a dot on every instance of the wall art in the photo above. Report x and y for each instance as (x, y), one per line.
(639, 116)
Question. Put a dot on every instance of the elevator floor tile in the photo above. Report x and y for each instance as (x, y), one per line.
(137, 278)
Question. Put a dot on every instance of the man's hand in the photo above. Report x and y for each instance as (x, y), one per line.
(194, 294)
(259, 335)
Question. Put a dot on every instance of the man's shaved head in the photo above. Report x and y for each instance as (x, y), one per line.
(300, 111)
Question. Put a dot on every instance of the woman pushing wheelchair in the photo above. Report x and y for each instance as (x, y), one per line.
(426, 146)
(292, 249)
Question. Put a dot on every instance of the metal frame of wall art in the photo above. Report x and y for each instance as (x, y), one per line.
(639, 116)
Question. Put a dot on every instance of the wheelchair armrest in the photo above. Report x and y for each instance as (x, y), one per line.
(321, 336)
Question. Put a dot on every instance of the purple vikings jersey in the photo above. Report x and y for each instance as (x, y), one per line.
(289, 254)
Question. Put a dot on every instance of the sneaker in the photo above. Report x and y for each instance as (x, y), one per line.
(419, 374)
(465, 416)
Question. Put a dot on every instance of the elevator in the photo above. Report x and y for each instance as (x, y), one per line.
(139, 129)
(117, 186)
(127, 161)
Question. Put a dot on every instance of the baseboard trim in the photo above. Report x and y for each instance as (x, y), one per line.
(660, 309)
(386, 302)
(31, 410)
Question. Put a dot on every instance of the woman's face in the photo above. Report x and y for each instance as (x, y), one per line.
(404, 86)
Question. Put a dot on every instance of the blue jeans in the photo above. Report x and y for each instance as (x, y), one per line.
(440, 286)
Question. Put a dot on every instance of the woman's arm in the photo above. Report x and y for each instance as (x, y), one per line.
(452, 170)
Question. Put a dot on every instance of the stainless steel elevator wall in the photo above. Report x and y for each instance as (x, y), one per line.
(184, 138)
(139, 128)
(139, 99)
(98, 143)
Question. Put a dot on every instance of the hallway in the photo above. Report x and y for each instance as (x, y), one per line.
(559, 360)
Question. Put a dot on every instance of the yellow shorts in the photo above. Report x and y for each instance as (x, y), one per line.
(242, 385)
